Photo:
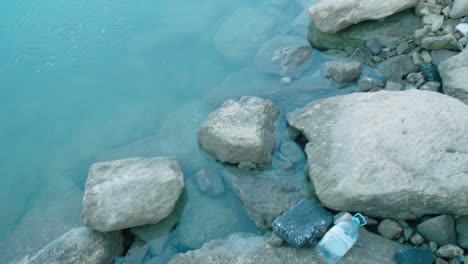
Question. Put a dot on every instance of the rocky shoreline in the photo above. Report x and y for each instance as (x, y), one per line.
(396, 151)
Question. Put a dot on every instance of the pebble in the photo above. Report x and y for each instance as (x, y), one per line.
(426, 56)
(408, 233)
(433, 246)
(417, 59)
(393, 86)
(402, 48)
(389, 228)
(449, 251)
(366, 83)
(285, 80)
(417, 239)
(275, 240)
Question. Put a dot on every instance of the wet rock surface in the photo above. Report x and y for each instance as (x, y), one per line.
(249, 249)
(342, 72)
(240, 131)
(303, 224)
(341, 129)
(80, 245)
(146, 190)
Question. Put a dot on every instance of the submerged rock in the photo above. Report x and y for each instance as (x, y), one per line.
(332, 16)
(303, 224)
(388, 32)
(395, 68)
(252, 249)
(131, 192)
(342, 72)
(454, 74)
(209, 181)
(284, 56)
(242, 33)
(80, 245)
(206, 218)
(395, 155)
(240, 131)
(265, 196)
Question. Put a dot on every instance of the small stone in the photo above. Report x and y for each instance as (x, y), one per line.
(433, 246)
(417, 239)
(377, 59)
(417, 58)
(402, 48)
(303, 224)
(408, 233)
(426, 56)
(449, 251)
(366, 83)
(403, 223)
(209, 182)
(435, 21)
(439, 42)
(449, 29)
(463, 41)
(342, 71)
(424, 8)
(462, 28)
(414, 77)
(371, 221)
(431, 86)
(440, 229)
(393, 86)
(390, 229)
(275, 240)
(414, 256)
(285, 80)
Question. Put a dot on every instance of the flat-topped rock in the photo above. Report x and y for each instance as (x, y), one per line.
(454, 74)
(131, 192)
(331, 16)
(252, 249)
(396, 155)
(240, 131)
(80, 245)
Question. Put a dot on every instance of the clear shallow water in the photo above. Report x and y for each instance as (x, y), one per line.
(86, 81)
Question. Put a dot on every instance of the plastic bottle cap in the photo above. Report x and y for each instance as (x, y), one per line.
(359, 220)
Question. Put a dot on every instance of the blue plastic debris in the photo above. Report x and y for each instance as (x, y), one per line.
(303, 224)
(414, 256)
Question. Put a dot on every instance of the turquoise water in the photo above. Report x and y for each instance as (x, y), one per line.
(84, 81)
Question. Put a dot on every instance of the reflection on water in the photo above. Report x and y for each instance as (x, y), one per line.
(86, 81)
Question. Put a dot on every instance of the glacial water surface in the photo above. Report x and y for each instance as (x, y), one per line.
(83, 81)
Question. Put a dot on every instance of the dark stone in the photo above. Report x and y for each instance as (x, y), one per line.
(414, 256)
(440, 229)
(303, 224)
(430, 72)
(395, 68)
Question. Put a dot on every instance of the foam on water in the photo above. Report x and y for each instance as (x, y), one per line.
(84, 81)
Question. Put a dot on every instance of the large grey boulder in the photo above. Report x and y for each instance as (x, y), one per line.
(459, 9)
(454, 74)
(240, 131)
(331, 16)
(396, 155)
(242, 34)
(131, 192)
(388, 32)
(252, 249)
(80, 245)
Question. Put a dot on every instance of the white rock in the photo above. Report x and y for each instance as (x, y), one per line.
(240, 131)
(332, 16)
(462, 28)
(396, 155)
(131, 192)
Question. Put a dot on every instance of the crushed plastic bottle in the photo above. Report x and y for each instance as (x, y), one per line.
(339, 239)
